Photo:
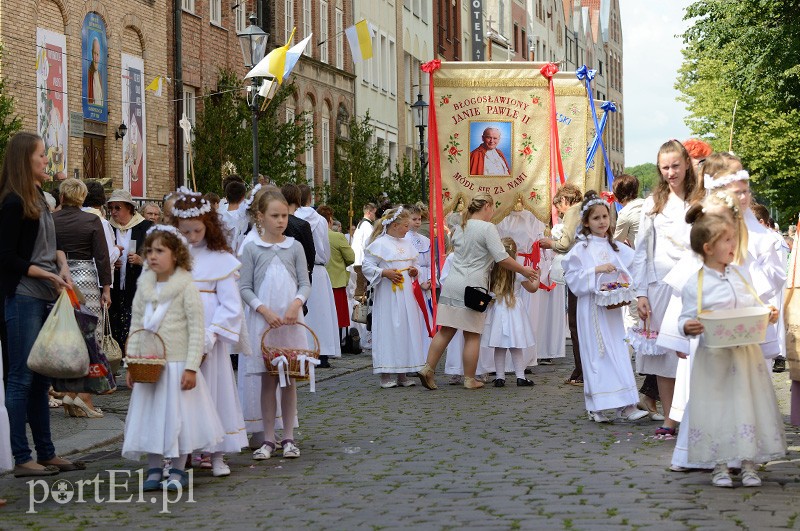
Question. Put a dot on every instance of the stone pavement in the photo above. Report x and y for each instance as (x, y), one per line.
(372, 458)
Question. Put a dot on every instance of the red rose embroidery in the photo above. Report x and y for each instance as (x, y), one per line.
(527, 150)
(453, 150)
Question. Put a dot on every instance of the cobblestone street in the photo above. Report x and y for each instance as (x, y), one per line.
(411, 458)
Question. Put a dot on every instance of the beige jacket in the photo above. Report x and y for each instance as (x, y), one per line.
(572, 218)
(182, 329)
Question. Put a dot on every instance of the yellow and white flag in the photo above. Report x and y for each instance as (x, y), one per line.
(359, 37)
(156, 85)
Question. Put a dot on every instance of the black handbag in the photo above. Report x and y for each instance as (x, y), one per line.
(477, 299)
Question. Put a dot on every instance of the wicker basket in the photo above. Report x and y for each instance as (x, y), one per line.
(145, 370)
(269, 353)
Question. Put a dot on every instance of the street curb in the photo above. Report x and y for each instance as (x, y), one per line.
(99, 432)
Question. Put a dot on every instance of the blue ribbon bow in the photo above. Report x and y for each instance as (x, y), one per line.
(587, 75)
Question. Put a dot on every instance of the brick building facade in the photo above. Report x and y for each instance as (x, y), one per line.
(48, 86)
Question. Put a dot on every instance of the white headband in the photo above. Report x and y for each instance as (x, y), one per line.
(593, 202)
(170, 229)
(193, 197)
(389, 221)
(709, 183)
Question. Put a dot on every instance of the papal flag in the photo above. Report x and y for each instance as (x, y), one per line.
(156, 85)
(359, 37)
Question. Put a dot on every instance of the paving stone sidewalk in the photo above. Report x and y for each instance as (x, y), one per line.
(504, 458)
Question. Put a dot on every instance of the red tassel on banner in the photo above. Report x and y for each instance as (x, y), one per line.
(435, 186)
(556, 164)
(416, 289)
(532, 259)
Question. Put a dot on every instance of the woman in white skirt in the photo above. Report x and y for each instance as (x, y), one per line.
(174, 416)
(215, 273)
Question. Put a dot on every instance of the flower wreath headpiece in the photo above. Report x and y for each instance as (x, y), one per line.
(389, 221)
(170, 229)
(201, 205)
(727, 200)
(249, 200)
(709, 183)
(593, 202)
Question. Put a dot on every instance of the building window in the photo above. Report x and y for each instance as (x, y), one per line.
(189, 108)
(241, 17)
(376, 60)
(524, 42)
(326, 148)
(307, 24)
(385, 69)
(516, 37)
(424, 11)
(288, 12)
(407, 84)
(339, 39)
(502, 18)
(215, 14)
(187, 5)
(323, 31)
(289, 114)
(392, 68)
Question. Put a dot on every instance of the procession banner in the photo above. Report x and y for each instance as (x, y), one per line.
(134, 147)
(51, 99)
(94, 68)
(491, 122)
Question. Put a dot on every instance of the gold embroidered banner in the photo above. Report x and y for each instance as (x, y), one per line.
(493, 129)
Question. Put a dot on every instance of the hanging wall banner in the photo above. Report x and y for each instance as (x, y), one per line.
(94, 68)
(493, 126)
(134, 147)
(51, 99)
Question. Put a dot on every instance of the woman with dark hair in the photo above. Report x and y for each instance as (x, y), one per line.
(95, 204)
(130, 229)
(32, 273)
(476, 247)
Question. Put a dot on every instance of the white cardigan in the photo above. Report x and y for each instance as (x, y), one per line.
(183, 329)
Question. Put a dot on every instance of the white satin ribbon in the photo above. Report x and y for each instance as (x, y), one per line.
(283, 368)
(312, 363)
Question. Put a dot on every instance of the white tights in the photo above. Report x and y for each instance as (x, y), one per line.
(516, 359)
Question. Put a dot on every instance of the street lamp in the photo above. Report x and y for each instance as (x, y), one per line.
(253, 41)
(420, 109)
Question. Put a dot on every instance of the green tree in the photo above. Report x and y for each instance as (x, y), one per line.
(742, 54)
(357, 160)
(10, 123)
(223, 133)
(647, 174)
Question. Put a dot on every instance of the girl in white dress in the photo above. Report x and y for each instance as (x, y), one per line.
(215, 272)
(732, 413)
(508, 327)
(608, 381)
(398, 326)
(174, 416)
(661, 243)
(274, 285)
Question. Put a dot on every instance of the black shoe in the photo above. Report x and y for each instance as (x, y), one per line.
(323, 362)
(524, 382)
(499, 382)
(528, 371)
(779, 365)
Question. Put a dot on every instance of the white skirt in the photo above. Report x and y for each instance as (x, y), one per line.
(321, 317)
(218, 373)
(164, 420)
(548, 313)
(454, 362)
(508, 327)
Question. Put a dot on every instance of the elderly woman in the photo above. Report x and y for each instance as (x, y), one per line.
(130, 229)
(32, 274)
(82, 238)
(151, 212)
(476, 247)
(568, 203)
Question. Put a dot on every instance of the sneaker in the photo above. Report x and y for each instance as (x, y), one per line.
(749, 476)
(720, 477)
(598, 416)
(264, 453)
(290, 449)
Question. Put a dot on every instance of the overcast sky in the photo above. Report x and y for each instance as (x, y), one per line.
(652, 55)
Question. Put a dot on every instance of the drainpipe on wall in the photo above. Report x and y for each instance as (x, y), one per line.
(178, 78)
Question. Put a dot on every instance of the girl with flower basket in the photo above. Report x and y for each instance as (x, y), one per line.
(171, 414)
